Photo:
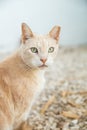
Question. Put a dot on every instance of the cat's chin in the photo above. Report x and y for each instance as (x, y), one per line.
(43, 66)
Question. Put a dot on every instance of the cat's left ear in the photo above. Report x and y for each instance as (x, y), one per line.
(55, 32)
(26, 32)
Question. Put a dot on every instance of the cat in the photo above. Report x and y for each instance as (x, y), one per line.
(22, 76)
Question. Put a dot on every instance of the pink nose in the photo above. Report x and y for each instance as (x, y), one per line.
(43, 60)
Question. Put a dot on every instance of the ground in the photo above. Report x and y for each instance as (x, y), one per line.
(63, 103)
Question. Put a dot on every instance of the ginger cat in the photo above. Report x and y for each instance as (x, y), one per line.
(22, 76)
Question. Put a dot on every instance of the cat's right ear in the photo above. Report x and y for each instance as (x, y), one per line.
(26, 32)
(55, 32)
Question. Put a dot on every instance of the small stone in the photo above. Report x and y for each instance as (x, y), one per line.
(74, 122)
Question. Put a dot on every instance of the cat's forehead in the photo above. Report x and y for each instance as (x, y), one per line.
(44, 40)
(41, 42)
(41, 38)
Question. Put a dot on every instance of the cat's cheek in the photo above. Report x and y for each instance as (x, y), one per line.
(36, 62)
(49, 62)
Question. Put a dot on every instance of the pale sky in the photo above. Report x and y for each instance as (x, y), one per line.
(41, 16)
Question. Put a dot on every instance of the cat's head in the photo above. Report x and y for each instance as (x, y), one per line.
(39, 50)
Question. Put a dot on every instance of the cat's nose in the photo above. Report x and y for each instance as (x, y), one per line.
(43, 60)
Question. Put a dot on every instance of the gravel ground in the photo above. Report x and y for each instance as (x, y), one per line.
(63, 103)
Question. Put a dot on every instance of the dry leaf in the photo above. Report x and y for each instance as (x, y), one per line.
(72, 103)
(65, 93)
(49, 102)
(82, 92)
(70, 114)
(85, 113)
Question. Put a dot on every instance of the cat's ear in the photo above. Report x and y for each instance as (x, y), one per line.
(54, 33)
(26, 32)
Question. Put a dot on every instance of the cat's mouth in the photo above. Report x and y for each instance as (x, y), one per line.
(42, 66)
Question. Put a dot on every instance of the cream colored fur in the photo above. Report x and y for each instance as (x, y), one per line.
(22, 77)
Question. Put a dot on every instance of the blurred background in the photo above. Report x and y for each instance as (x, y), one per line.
(41, 16)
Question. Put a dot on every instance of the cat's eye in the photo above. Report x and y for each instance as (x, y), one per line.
(51, 49)
(34, 49)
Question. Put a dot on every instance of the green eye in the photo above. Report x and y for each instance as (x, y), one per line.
(34, 49)
(51, 49)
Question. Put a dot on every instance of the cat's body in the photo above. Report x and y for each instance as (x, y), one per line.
(22, 78)
(16, 78)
